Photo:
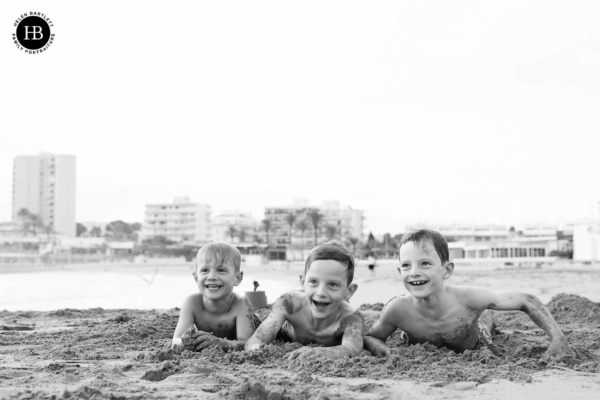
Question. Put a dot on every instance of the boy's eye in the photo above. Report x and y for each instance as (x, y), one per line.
(404, 266)
(312, 282)
(334, 285)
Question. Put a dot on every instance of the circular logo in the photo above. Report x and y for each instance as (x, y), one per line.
(33, 34)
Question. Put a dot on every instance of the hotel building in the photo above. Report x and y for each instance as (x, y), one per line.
(178, 221)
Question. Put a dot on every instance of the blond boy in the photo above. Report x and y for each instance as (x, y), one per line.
(222, 317)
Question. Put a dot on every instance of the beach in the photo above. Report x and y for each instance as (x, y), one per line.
(112, 339)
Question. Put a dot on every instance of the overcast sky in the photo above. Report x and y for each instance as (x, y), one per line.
(467, 112)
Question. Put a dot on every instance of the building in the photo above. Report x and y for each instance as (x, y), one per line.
(289, 242)
(44, 185)
(586, 242)
(234, 227)
(178, 221)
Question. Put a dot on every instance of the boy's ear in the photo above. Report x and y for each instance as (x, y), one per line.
(239, 275)
(449, 267)
(301, 279)
(195, 275)
(351, 290)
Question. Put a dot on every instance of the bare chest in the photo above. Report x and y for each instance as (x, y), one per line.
(222, 327)
(301, 333)
(457, 331)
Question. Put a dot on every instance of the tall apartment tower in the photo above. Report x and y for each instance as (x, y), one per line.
(45, 186)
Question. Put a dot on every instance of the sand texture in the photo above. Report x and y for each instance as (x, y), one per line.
(124, 354)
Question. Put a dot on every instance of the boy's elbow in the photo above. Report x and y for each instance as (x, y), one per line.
(529, 302)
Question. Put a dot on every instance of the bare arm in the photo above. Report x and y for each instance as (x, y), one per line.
(379, 332)
(533, 307)
(352, 341)
(186, 318)
(267, 331)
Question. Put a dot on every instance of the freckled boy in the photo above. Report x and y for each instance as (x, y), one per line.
(320, 313)
(222, 317)
(445, 315)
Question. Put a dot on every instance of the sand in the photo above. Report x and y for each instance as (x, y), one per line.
(124, 354)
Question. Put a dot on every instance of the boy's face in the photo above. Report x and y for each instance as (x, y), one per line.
(421, 268)
(216, 281)
(326, 287)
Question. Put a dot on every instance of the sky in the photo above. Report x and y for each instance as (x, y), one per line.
(436, 112)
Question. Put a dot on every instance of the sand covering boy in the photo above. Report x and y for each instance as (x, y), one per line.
(446, 315)
(222, 317)
(320, 313)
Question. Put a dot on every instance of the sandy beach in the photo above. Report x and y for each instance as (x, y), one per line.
(123, 353)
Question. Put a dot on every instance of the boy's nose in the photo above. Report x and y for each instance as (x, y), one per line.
(414, 270)
(321, 291)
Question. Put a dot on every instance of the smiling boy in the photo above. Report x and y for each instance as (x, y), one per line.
(445, 315)
(222, 317)
(320, 313)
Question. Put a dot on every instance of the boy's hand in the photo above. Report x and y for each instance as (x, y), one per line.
(558, 349)
(177, 346)
(204, 340)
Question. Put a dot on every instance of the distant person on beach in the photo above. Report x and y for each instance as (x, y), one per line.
(371, 264)
(320, 313)
(221, 317)
(450, 316)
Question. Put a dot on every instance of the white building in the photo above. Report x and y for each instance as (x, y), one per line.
(586, 242)
(45, 186)
(234, 227)
(178, 221)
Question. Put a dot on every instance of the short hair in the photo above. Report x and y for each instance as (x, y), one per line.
(219, 253)
(418, 236)
(332, 250)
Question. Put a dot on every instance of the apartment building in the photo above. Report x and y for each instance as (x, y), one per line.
(235, 227)
(337, 222)
(44, 185)
(178, 221)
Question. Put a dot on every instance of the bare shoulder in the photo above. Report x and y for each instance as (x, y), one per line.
(289, 303)
(473, 297)
(193, 301)
(240, 303)
(351, 317)
(397, 304)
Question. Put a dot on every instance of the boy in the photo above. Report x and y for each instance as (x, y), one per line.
(222, 317)
(446, 315)
(320, 313)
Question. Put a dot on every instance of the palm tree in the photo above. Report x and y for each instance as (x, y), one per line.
(353, 242)
(290, 219)
(315, 217)
(267, 227)
(24, 214)
(330, 231)
(302, 225)
(242, 235)
(232, 232)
